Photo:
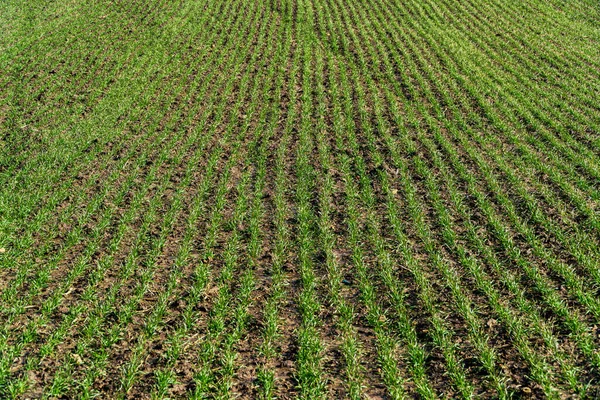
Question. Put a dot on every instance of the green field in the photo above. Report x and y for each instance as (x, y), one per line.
(299, 199)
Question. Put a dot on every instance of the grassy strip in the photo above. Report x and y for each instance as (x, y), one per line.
(269, 348)
(309, 359)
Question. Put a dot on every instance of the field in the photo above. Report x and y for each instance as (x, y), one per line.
(299, 199)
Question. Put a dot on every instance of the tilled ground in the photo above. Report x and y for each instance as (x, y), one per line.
(299, 199)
